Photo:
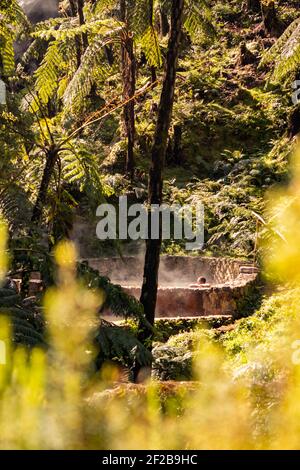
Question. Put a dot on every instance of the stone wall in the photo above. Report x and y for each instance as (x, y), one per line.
(230, 282)
(189, 302)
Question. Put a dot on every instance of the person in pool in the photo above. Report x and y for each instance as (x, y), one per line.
(201, 283)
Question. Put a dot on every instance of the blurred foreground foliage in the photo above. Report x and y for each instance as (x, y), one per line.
(245, 388)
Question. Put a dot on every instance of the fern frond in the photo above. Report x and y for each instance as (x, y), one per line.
(120, 345)
(48, 73)
(81, 167)
(82, 81)
(285, 52)
(151, 48)
(198, 19)
(12, 22)
(7, 54)
(103, 7)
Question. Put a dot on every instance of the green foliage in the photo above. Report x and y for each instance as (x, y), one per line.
(28, 324)
(12, 22)
(48, 74)
(119, 345)
(120, 303)
(285, 52)
(198, 19)
(165, 328)
(172, 364)
(263, 331)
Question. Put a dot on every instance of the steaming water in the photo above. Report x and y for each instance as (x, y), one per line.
(39, 10)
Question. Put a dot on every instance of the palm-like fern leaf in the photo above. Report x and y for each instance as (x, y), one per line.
(12, 18)
(80, 86)
(198, 19)
(285, 52)
(48, 73)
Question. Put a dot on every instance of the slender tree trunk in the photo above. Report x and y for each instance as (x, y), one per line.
(76, 8)
(163, 22)
(73, 10)
(152, 258)
(151, 21)
(254, 6)
(80, 5)
(51, 158)
(129, 84)
(272, 24)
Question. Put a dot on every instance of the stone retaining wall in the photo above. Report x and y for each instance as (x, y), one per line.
(230, 282)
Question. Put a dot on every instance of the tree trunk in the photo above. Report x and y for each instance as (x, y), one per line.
(151, 22)
(177, 149)
(73, 7)
(51, 158)
(163, 22)
(254, 6)
(152, 258)
(272, 24)
(80, 5)
(129, 83)
(76, 8)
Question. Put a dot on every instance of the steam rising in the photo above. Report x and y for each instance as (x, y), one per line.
(39, 10)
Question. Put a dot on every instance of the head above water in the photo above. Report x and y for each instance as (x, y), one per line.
(201, 280)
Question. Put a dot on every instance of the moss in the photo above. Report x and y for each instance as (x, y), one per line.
(166, 328)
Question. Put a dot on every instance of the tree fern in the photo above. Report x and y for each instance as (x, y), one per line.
(81, 166)
(198, 19)
(48, 73)
(92, 62)
(119, 345)
(285, 52)
(12, 18)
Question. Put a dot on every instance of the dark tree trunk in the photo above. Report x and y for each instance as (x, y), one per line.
(109, 54)
(254, 6)
(272, 24)
(76, 8)
(152, 258)
(151, 21)
(129, 83)
(73, 7)
(174, 154)
(163, 22)
(51, 159)
(80, 5)
(177, 149)
(294, 123)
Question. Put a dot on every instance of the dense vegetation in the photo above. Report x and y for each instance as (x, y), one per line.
(176, 102)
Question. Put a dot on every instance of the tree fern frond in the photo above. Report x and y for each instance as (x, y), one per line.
(81, 83)
(48, 73)
(7, 54)
(198, 19)
(12, 22)
(151, 48)
(102, 7)
(70, 30)
(82, 167)
(285, 52)
(139, 16)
